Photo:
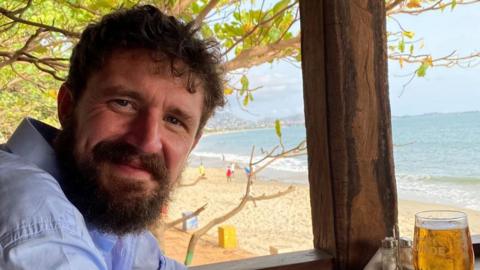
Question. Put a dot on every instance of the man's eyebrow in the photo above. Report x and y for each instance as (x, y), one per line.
(185, 116)
(122, 91)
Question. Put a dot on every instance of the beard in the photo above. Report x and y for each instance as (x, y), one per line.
(111, 203)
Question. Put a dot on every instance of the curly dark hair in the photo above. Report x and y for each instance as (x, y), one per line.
(146, 27)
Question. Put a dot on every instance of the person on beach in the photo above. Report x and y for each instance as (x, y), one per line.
(229, 174)
(249, 173)
(201, 170)
(232, 168)
(140, 88)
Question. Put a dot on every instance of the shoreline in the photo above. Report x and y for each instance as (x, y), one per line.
(443, 192)
(283, 222)
(229, 131)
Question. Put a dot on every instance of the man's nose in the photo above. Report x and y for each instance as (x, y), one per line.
(145, 133)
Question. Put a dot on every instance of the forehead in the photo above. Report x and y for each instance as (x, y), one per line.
(139, 70)
(152, 63)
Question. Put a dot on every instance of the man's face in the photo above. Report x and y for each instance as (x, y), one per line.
(132, 130)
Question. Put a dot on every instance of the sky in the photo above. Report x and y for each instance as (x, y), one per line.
(441, 90)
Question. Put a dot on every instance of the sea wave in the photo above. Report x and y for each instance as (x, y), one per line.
(285, 164)
(451, 190)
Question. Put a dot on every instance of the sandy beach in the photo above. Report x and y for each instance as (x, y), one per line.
(283, 222)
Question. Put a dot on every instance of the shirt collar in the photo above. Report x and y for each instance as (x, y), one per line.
(31, 140)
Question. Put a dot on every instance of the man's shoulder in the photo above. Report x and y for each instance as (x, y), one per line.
(31, 201)
(19, 177)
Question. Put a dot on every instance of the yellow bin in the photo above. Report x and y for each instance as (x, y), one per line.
(227, 236)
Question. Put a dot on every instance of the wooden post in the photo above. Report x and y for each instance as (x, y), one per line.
(347, 111)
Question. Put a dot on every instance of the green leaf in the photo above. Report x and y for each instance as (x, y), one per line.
(237, 16)
(228, 43)
(217, 27)
(408, 34)
(238, 50)
(206, 31)
(245, 101)
(280, 5)
(250, 96)
(401, 45)
(287, 36)
(227, 91)
(298, 57)
(411, 48)
(442, 7)
(40, 50)
(244, 82)
(274, 34)
(454, 4)
(195, 8)
(101, 4)
(422, 70)
(278, 128)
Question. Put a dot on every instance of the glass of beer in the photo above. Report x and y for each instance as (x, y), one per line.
(442, 241)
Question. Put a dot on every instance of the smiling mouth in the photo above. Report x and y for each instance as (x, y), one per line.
(132, 170)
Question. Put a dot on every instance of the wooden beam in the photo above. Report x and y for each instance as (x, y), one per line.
(476, 244)
(300, 260)
(314, 94)
(347, 110)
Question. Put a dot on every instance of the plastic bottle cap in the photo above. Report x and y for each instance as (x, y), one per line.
(405, 242)
(389, 242)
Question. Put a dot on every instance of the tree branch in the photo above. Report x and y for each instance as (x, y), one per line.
(181, 6)
(53, 62)
(201, 16)
(38, 62)
(258, 25)
(247, 197)
(393, 4)
(12, 17)
(21, 10)
(53, 73)
(261, 54)
(297, 151)
(296, 19)
(26, 78)
(269, 154)
(22, 50)
(445, 61)
(264, 197)
(435, 6)
(182, 219)
(193, 183)
(78, 6)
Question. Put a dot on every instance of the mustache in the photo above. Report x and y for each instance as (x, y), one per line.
(123, 152)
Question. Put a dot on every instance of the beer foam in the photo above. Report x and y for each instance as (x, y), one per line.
(442, 225)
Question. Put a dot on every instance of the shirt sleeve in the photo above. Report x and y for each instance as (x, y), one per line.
(39, 227)
(50, 250)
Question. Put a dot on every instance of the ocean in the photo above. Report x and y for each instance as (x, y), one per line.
(437, 156)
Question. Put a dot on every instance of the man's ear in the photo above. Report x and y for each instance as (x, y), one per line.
(65, 104)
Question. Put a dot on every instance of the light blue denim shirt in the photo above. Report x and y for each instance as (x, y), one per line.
(41, 229)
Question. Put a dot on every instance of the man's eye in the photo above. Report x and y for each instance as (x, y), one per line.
(122, 104)
(173, 120)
